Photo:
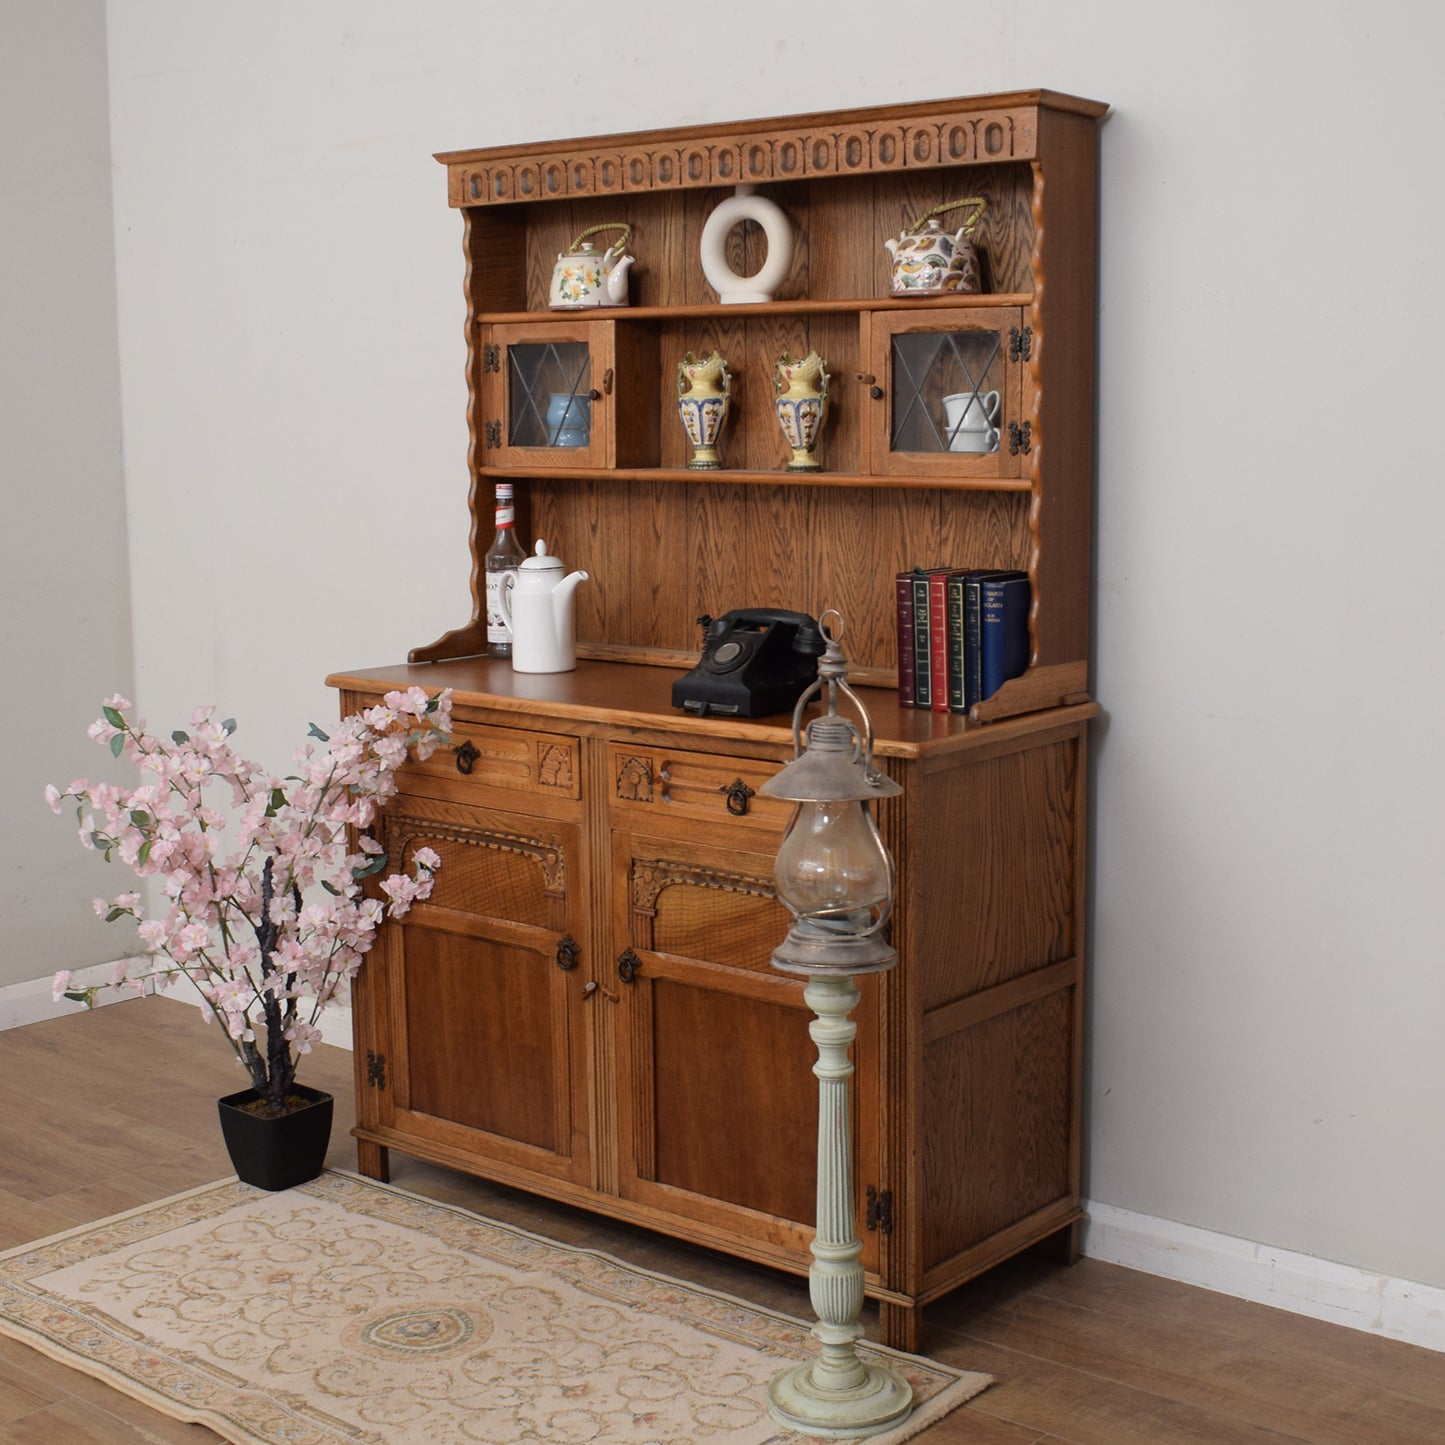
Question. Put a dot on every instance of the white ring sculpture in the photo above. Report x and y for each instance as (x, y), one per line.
(732, 289)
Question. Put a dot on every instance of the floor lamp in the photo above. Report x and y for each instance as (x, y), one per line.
(835, 877)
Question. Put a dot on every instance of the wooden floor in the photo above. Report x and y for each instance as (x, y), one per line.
(104, 1111)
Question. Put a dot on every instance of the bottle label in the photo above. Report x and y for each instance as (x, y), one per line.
(497, 629)
(506, 516)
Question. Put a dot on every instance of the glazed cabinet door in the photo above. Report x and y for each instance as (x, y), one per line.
(478, 991)
(951, 402)
(571, 393)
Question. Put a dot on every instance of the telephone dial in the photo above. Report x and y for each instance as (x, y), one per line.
(754, 662)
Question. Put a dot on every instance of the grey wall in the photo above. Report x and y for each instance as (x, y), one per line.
(64, 595)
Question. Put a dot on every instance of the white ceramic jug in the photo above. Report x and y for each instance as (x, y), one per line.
(536, 600)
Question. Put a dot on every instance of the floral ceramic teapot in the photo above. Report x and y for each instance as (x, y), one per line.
(585, 276)
(928, 261)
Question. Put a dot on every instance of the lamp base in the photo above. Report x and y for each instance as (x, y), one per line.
(877, 1404)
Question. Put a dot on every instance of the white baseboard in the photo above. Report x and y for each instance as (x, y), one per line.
(1301, 1283)
(31, 1002)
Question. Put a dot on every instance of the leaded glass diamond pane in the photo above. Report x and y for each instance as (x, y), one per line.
(947, 390)
(549, 387)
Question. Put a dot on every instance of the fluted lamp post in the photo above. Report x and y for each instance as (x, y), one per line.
(836, 879)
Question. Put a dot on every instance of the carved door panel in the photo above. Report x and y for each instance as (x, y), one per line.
(717, 1103)
(482, 985)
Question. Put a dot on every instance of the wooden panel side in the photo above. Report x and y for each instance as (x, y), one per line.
(994, 1124)
(1064, 261)
(992, 851)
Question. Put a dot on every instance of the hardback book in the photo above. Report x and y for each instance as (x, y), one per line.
(957, 631)
(974, 688)
(923, 635)
(938, 640)
(1003, 630)
(903, 601)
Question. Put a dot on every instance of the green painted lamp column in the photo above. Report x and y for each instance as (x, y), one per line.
(836, 879)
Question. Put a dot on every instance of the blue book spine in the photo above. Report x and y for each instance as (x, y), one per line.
(1003, 631)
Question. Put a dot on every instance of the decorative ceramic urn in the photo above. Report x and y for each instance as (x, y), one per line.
(802, 405)
(704, 390)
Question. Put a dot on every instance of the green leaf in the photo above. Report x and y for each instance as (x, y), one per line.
(331, 889)
(180, 737)
(114, 914)
(140, 817)
(229, 726)
(367, 869)
(116, 744)
(81, 995)
(315, 732)
(145, 851)
(113, 717)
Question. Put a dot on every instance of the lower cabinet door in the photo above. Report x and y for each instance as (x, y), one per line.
(717, 1101)
(481, 990)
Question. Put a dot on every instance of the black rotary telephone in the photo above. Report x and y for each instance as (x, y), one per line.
(754, 662)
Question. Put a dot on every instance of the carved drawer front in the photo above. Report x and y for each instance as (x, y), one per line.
(539, 764)
(658, 783)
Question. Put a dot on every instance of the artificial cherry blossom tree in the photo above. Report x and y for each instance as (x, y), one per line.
(263, 908)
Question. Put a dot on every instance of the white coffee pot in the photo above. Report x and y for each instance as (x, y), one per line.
(536, 601)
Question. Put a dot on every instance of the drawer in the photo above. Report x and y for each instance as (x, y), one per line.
(481, 756)
(657, 783)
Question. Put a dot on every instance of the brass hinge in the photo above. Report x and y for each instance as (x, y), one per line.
(375, 1070)
(880, 1210)
(1020, 437)
(493, 434)
(491, 357)
(1020, 342)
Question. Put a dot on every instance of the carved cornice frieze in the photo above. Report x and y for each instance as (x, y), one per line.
(767, 154)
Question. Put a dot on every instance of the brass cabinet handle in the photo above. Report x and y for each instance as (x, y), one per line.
(628, 964)
(467, 756)
(567, 950)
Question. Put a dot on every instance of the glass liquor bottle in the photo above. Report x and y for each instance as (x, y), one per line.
(503, 556)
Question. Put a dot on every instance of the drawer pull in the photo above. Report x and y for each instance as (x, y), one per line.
(738, 794)
(567, 950)
(627, 965)
(467, 756)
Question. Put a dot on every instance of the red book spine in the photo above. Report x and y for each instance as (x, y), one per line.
(938, 641)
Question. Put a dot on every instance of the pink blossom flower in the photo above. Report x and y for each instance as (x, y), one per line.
(61, 984)
(246, 922)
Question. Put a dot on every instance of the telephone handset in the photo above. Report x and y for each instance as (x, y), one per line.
(754, 662)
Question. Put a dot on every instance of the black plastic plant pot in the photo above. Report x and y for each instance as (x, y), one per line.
(277, 1153)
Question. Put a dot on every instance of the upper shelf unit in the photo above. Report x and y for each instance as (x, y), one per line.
(589, 397)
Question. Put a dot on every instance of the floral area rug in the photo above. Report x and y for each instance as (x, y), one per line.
(346, 1310)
